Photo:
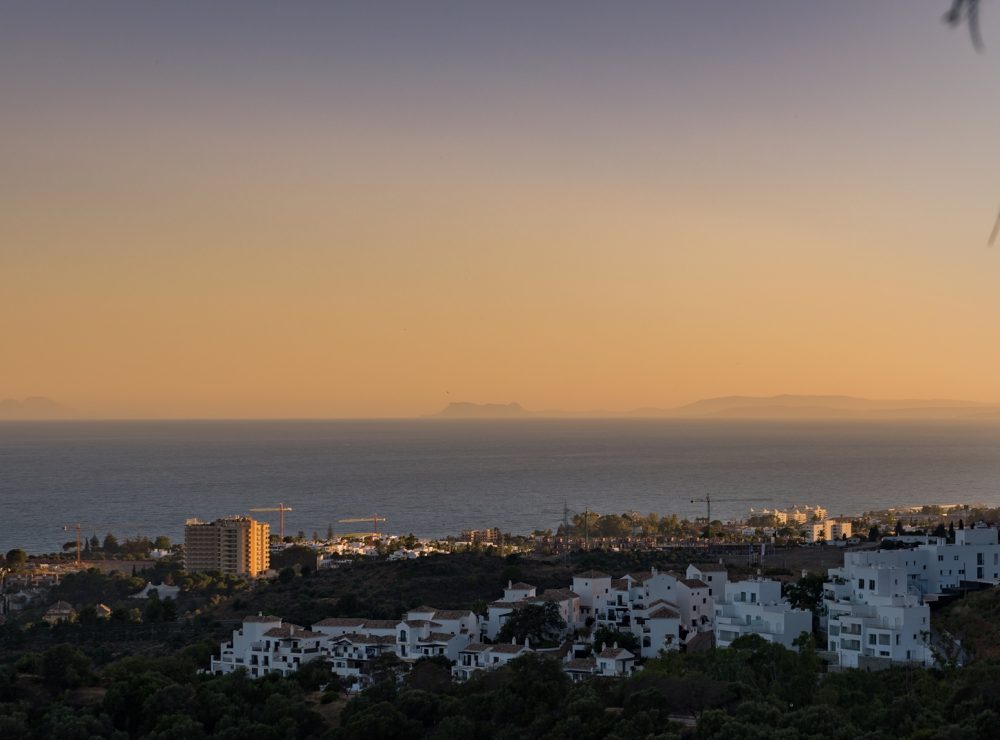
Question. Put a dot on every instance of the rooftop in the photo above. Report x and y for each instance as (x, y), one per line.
(343, 622)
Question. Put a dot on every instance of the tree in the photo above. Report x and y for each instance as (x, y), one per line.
(16, 558)
(539, 623)
(110, 544)
(64, 667)
(606, 637)
(806, 593)
(874, 534)
(940, 531)
(961, 524)
(899, 527)
(162, 542)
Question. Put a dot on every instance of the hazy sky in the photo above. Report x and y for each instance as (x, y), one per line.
(373, 208)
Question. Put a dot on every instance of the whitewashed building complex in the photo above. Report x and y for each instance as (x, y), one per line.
(877, 603)
(664, 611)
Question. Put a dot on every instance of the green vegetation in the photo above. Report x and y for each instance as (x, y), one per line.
(57, 695)
(539, 623)
(753, 690)
(136, 675)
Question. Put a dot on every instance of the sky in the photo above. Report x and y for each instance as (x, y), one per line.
(368, 209)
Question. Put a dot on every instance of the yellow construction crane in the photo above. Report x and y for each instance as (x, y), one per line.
(374, 519)
(281, 509)
(77, 526)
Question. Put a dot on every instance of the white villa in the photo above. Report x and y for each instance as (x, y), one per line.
(477, 656)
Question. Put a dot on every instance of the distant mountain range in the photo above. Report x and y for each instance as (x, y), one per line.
(753, 407)
(33, 407)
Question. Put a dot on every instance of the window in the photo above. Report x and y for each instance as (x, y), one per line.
(861, 583)
(871, 638)
(871, 584)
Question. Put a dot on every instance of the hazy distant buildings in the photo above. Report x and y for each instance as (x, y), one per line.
(489, 536)
(828, 530)
(235, 545)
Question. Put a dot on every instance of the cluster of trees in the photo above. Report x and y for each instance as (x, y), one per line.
(61, 695)
(754, 690)
(630, 524)
(14, 559)
(540, 624)
(132, 547)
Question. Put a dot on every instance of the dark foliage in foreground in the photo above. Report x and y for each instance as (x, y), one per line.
(753, 690)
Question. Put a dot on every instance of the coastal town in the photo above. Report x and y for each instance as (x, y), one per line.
(873, 609)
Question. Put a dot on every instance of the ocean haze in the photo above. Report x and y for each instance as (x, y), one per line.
(435, 477)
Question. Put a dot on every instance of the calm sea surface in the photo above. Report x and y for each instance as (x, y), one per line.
(437, 477)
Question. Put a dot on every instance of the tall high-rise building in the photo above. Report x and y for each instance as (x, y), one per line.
(235, 545)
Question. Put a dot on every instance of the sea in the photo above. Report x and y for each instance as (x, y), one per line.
(437, 477)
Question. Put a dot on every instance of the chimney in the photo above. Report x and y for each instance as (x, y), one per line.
(616, 644)
(513, 641)
(510, 584)
(527, 644)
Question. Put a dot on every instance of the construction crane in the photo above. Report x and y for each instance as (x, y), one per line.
(374, 519)
(77, 526)
(707, 500)
(281, 509)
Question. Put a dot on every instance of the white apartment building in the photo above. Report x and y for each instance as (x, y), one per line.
(877, 603)
(756, 607)
(477, 656)
(870, 614)
(517, 595)
(594, 590)
(264, 645)
(657, 627)
(351, 655)
(427, 632)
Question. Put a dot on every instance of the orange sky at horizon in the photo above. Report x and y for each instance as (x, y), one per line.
(171, 251)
